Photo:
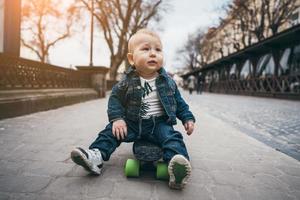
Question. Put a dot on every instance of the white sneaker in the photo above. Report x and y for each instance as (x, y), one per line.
(90, 160)
(179, 169)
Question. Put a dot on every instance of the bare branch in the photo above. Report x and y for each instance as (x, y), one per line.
(46, 24)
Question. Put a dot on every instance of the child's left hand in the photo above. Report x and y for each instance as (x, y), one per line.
(189, 127)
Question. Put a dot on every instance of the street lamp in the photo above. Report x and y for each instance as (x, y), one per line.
(92, 33)
(97, 73)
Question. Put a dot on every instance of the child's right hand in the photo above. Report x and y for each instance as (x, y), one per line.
(119, 129)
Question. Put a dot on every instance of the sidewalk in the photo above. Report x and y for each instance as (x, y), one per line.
(227, 164)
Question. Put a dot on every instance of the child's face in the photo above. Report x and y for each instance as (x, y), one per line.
(146, 55)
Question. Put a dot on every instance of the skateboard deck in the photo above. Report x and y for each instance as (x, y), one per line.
(147, 157)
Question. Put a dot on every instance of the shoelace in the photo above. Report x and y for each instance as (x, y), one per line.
(95, 154)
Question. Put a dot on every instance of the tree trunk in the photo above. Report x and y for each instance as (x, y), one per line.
(113, 72)
(116, 61)
(274, 28)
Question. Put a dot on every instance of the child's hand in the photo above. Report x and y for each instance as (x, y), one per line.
(119, 129)
(189, 127)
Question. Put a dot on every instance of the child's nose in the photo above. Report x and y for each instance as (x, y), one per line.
(152, 52)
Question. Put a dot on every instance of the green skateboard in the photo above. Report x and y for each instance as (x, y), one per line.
(147, 157)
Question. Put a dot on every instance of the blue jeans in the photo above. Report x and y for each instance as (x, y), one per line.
(155, 130)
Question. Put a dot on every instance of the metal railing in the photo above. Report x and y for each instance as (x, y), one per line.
(20, 73)
(267, 86)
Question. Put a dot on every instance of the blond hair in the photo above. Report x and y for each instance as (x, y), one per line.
(141, 31)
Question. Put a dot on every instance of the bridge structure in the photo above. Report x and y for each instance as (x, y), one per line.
(269, 68)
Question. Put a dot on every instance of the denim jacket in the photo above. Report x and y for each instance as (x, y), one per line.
(126, 97)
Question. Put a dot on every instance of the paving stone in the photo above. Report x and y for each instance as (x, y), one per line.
(132, 189)
(4, 196)
(10, 167)
(275, 122)
(231, 178)
(264, 181)
(212, 165)
(68, 186)
(223, 192)
(24, 196)
(290, 170)
(292, 182)
(23, 183)
(201, 177)
(46, 168)
(194, 191)
(251, 193)
(100, 187)
(253, 169)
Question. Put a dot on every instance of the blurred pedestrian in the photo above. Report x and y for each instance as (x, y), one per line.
(191, 83)
(199, 85)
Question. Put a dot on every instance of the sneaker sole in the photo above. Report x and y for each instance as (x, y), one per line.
(179, 171)
(79, 158)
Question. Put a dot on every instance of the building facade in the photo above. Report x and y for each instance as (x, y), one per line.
(233, 33)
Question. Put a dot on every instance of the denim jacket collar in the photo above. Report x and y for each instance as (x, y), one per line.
(131, 70)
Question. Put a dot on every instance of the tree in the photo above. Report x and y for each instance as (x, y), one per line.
(231, 37)
(279, 12)
(190, 52)
(208, 46)
(256, 17)
(119, 20)
(240, 23)
(44, 24)
(252, 18)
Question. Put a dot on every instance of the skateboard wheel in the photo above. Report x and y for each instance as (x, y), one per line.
(132, 168)
(162, 171)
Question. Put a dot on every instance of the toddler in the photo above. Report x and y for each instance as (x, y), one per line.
(144, 105)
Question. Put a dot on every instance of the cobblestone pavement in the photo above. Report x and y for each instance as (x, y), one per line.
(227, 164)
(273, 121)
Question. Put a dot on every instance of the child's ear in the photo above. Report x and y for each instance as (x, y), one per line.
(130, 58)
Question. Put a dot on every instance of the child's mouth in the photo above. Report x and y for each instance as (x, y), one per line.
(152, 62)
